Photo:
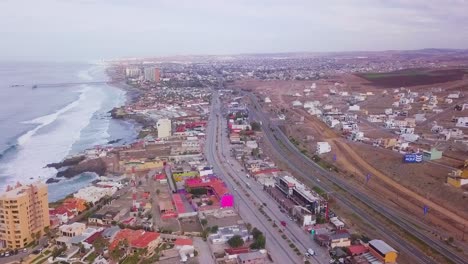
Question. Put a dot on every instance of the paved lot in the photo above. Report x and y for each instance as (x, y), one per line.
(204, 251)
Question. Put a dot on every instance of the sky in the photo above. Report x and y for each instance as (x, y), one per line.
(105, 29)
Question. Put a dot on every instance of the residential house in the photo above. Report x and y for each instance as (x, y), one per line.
(340, 239)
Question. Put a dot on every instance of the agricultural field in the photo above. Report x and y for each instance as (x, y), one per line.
(413, 77)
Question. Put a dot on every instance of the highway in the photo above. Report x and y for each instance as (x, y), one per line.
(296, 161)
(302, 239)
(276, 246)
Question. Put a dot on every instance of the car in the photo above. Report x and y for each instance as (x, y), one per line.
(311, 251)
(36, 251)
(7, 254)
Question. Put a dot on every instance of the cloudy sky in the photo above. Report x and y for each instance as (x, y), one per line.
(94, 29)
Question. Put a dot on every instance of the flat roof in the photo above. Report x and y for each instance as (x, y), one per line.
(381, 246)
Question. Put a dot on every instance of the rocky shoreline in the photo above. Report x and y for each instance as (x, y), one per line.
(73, 166)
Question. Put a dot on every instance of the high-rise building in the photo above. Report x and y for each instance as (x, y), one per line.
(164, 128)
(24, 213)
(132, 72)
(152, 74)
(157, 75)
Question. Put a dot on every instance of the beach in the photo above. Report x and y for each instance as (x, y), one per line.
(47, 124)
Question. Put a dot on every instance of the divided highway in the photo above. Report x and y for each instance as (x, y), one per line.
(276, 246)
(296, 161)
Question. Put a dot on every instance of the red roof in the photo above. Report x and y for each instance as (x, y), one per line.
(61, 211)
(357, 249)
(215, 184)
(233, 251)
(160, 176)
(179, 204)
(144, 240)
(135, 238)
(183, 242)
(93, 237)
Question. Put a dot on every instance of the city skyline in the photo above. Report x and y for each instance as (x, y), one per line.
(88, 29)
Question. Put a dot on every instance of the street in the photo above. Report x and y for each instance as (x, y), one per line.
(217, 152)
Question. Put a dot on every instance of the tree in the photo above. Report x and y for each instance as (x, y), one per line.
(82, 248)
(255, 126)
(236, 241)
(99, 244)
(249, 227)
(209, 202)
(255, 152)
(204, 221)
(158, 191)
(259, 243)
(214, 229)
(256, 233)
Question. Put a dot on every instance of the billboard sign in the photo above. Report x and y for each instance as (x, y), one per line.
(413, 158)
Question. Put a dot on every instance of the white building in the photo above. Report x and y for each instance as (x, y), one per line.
(225, 233)
(164, 128)
(354, 108)
(267, 100)
(132, 72)
(296, 103)
(323, 147)
(251, 144)
(462, 122)
(455, 95)
(93, 194)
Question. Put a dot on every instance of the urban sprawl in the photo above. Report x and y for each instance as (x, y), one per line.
(340, 158)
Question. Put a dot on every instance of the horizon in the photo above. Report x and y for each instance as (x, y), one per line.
(318, 53)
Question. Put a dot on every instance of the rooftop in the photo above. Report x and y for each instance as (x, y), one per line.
(381, 246)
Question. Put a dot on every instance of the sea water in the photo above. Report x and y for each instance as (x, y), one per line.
(43, 125)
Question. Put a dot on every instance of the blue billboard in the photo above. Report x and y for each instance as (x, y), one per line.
(413, 158)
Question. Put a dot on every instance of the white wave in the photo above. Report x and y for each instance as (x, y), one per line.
(37, 149)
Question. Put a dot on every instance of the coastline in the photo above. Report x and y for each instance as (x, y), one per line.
(87, 170)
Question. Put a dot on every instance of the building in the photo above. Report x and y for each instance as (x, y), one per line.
(382, 251)
(227, 232)
(340, 239)
(93, 194)
(462, 122)
(24, 213)
(323, 147)
(300, 194)
(132, 72)
(72, 230)
(432, 154)
(152, 74)
(254, 257)
(164, 128)
(137, 239)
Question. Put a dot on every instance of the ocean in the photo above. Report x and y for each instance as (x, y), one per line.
(45, 124)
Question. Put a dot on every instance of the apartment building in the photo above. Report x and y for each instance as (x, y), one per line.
(24, 213)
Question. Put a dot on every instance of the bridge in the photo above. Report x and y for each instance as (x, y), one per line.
(39, 85)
